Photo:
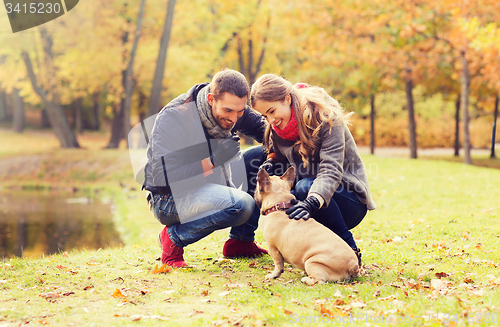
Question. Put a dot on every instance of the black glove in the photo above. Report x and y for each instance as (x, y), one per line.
(268, 166)
(303, 209)
(226, 150)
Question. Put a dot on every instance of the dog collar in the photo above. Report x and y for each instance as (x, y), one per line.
(278, 206)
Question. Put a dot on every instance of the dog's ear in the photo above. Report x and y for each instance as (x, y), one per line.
(289, 176)
(263, 180)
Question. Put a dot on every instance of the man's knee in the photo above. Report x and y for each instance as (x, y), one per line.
(243, 209)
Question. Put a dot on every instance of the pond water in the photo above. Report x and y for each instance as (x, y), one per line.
(36, 223)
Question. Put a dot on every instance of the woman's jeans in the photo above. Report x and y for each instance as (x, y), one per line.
(212, 207)
(343, 213)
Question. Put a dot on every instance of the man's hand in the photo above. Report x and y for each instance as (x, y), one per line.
(303, 209)
(226, 150)
(268, 166)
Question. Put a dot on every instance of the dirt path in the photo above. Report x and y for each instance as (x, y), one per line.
(405, 152)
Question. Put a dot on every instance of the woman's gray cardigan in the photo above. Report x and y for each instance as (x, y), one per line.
(336, 163)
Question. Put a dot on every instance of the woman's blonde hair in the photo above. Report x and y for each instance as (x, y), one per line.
(312, 106)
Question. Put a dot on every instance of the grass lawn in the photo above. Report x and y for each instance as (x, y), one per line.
(430, 255)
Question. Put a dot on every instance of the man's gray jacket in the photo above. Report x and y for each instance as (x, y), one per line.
(179, 142)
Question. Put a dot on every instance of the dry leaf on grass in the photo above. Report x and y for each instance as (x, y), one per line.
(163, 269)
(117, 294)
(50, 295)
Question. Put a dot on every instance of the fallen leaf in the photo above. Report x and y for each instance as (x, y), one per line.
(163, 269)
(442, 274)
(117, 293)
(68, 293)
(468, 280)
(338, 293)
(376, 293)
(65, 254)
(88, 287)
(324, 310)
(222, 294)
(338, 302)
(50, 295)
(253, 263)
(195, 312)
(135, 317)
(287, 312)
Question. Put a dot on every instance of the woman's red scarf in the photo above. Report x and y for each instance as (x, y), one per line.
(291, 130)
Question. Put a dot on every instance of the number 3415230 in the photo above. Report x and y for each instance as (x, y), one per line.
(33, 8)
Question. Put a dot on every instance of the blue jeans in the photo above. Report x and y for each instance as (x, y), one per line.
(343, 213)
(212, 207)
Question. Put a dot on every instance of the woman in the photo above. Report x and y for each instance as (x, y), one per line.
(307, 129)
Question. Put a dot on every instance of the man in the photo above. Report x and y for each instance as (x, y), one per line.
(191, 165)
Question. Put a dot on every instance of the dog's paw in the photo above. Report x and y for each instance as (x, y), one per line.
(309, 280)
(272, 276)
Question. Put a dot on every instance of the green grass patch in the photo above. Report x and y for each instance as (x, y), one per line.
(477, 160)
(430, 251)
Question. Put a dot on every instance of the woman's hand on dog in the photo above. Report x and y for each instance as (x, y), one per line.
(303, 209)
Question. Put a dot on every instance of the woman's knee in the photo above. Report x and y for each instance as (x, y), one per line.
(301, 189)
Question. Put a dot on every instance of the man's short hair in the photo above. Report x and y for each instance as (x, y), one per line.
(231, 81)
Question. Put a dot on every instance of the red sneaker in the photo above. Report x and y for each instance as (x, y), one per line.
(171, 254)
(247, 249)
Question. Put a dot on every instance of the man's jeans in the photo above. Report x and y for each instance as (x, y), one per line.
(213, 207)
(344, 212)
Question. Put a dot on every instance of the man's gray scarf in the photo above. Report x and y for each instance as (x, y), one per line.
(206, 116)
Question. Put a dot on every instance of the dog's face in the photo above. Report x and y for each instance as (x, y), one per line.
(273, 187)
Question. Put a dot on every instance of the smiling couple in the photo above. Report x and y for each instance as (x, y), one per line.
(198, 180)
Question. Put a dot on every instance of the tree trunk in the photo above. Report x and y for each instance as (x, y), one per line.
(493, 136)
(250, 71)
(121, 120)
(372, 124)
(464, 102)
(57, 118)
(18, 124)
(3, 107)
(155, 99)
(129, 83)
(44, 119)
(116, 128)
(457, 127)
(97, 121)
(411, 114)
(78, 116)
